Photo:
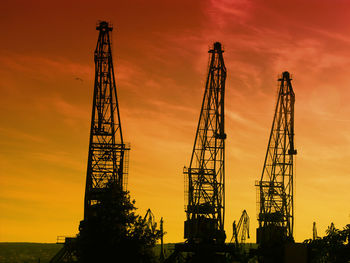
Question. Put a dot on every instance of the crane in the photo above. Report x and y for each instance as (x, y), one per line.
(107, 163)
(149, 221)
(275, 188)
(205, 176)
(241, 230)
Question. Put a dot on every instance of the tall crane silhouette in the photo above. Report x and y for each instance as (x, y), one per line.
(107, 159)
(107, 165)
(205, 175)
(275, 188)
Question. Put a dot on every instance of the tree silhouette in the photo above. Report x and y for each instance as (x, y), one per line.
(116, 233)
(332, 248)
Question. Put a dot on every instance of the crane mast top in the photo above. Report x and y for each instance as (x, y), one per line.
(205, 177)
(276, 215)
(107, 159)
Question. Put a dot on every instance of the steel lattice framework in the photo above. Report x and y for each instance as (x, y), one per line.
(206, 173)
(276, 216)
(107, 160)
(107, 164)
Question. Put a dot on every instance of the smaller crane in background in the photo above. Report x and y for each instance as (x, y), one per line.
(241, 230)
(149, 221)
(151, 225)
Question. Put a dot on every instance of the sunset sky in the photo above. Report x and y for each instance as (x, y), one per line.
(160, 52)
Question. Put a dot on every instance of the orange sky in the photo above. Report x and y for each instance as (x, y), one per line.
(160, 57)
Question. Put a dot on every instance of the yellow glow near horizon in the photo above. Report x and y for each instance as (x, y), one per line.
(160, 58)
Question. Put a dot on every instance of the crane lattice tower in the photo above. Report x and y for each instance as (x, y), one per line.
(275, 189)
(205, 176)
(107, 166)
(107, 159)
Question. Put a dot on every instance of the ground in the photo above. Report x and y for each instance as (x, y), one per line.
(33, 252)
(27, 252)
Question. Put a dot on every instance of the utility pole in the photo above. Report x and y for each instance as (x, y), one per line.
(161, 256)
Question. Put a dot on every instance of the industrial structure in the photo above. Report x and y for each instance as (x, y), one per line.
(149, 221)
(205, 175)
(275, 188)
(107, 159)
(107, 170)
(240, 231)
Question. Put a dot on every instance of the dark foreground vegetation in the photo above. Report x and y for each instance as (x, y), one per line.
(334, 247)
(116, 231)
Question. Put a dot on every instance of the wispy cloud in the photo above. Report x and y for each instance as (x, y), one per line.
(69, 110)
(238, 118)
(20, 134)
(44, 67)
(223, 12)
(64, 159)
